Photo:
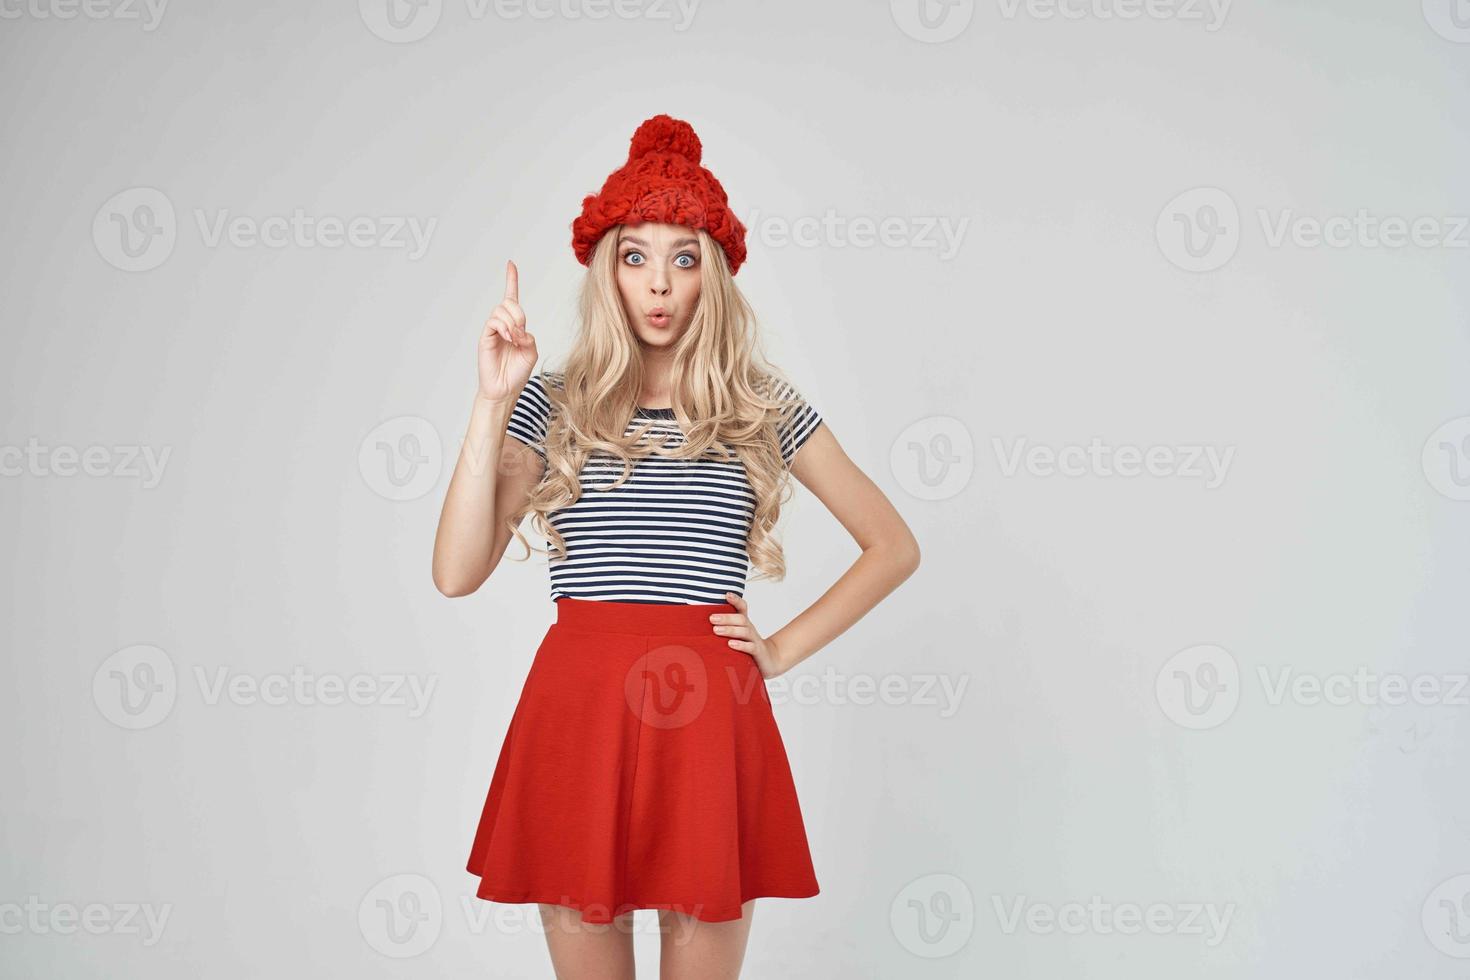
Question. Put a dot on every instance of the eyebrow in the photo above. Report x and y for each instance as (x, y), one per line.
(639, 241)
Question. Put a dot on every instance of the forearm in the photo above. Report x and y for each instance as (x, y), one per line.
(464, 544)
(880, 569)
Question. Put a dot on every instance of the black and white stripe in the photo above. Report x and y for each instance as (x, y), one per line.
(674, 531)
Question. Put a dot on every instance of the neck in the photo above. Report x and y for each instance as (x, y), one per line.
(658, 365)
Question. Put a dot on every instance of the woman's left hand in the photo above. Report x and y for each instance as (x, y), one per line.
(743, 637)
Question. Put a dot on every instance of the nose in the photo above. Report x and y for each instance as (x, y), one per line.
(659, 283)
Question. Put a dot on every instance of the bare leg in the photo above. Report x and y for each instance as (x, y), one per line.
(694, 950)
(584, 951)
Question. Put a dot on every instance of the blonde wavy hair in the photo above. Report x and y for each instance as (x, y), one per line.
(726, 397)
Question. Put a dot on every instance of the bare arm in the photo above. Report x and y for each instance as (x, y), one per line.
(890, 553)
(494, 475)
(473, 534)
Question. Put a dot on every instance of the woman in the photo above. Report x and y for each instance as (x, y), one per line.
(642, 767)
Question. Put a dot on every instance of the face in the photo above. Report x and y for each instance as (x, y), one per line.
(658, 278)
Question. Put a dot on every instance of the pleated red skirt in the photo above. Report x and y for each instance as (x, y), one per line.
(642, 769)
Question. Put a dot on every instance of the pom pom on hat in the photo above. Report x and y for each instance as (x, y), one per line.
(661, 182)
(665, 134)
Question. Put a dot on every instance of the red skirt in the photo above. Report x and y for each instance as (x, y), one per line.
(642, 769)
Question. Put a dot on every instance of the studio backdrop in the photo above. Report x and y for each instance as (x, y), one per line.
(1152, 318)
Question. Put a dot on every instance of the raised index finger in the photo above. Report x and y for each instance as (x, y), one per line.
(512, 281)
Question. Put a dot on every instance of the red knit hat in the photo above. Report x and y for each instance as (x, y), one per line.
(662, 181)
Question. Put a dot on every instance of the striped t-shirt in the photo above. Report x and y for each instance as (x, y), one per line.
(675, 531)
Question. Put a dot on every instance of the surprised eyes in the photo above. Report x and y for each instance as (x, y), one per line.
(684, 260)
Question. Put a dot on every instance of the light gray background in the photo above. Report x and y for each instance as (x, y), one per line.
(1079, 763)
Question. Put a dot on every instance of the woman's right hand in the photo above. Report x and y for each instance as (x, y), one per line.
(507, 351)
